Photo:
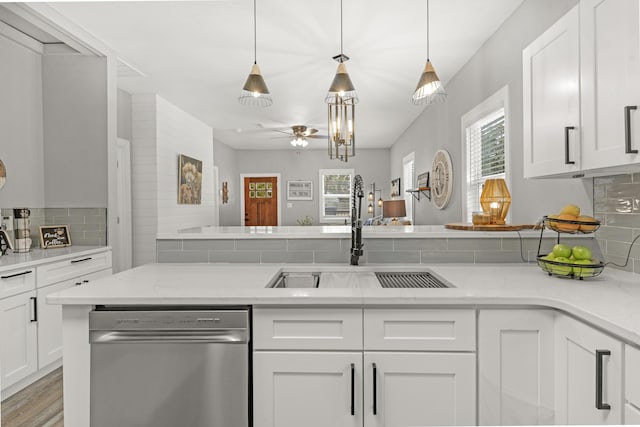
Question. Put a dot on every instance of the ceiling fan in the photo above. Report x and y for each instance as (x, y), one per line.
(299, 135)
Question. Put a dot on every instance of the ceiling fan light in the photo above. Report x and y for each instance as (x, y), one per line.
(255, 92)
(430, 89)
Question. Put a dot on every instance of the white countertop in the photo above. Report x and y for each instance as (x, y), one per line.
(610, 301)
(337, 231)
(40, 256)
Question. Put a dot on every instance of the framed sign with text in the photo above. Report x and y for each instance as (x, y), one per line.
(54, 236)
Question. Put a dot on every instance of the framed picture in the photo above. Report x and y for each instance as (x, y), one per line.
(189, 180)
(395, 187)
(54, 236)
(299, 190)
(423, 180)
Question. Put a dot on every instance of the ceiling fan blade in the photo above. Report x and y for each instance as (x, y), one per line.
(310, 132)
(318, 136)
(282, 131)
(281, 137)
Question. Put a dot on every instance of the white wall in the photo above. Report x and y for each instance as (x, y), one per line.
(496, 64)
(226, 160)
(21, 141)
(179, 133)
(160, 132)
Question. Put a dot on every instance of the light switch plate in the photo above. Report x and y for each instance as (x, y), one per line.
(7, 222)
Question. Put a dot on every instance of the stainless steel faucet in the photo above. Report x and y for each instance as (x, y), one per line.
(356, 222)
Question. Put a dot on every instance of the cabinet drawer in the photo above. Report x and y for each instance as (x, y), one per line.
(73, 267)
(631, 415)
(419, 329)
(16, 281)
(307, 329)
(632, 375)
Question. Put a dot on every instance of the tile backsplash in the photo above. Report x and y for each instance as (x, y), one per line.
(616, 201)
(87, 226)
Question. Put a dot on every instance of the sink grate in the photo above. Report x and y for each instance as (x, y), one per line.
(410, 280)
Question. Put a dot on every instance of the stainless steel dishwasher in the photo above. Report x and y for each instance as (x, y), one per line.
(169, 367)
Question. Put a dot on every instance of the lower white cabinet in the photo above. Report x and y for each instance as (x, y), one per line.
(311, 389)
(515, 367)
(589, 375)
(50, 318)
(404, 389)
(18, 338)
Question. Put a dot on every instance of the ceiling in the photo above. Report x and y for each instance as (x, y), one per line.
(198, 54)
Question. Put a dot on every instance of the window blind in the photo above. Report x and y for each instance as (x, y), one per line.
(336, 194)
(409, 183)
(485, 156)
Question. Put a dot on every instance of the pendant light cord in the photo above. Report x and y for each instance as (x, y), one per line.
(341, 52)
(255, 35)
(427, 30)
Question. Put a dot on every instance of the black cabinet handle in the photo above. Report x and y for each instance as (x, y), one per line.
(375, 389)
(34, 301)
(566, 145)
(353, 389)
(627, 129)
(75, 261)
(85, 281)
(599, 355)
(9, 276)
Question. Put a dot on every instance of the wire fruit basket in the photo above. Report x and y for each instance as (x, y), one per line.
(570, 270)
(570, 226)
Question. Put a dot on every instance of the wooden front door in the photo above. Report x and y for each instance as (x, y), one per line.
(261, 200)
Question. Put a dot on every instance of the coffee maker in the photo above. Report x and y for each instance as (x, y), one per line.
(22, 229)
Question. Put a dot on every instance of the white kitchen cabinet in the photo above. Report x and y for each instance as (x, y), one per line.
(610, 66)
(18, 338)
(632, 385)
(551, 100)
(515, 367)
(403, 389)
(580, 351)
(311, 389)
(50, 318)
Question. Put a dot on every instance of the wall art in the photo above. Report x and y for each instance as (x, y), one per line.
(189, 180)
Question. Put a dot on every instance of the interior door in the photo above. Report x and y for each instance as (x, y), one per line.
(261, 200)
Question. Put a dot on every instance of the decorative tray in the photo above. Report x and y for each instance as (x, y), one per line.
(488, 227)
(570, 270)
(570, 226)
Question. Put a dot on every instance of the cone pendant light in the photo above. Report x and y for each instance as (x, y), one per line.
(430, 89)
(255, 92)
(341, 100)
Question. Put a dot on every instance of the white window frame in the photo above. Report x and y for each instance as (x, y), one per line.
(334, 219)
(497, 101)
(409, 159)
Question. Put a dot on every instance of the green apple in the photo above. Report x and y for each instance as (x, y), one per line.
(584, 271)
(550, 256)
(562, 250)
(561, 270)
(582, 253)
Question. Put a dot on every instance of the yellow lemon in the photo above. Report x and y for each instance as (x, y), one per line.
(570, 210)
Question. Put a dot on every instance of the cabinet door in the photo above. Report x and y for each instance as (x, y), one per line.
(610, 66)
(50, 318)
(515, 367)
(419, 389)
(551, 100)
(310, 389)
(576, 360)
(18, 335)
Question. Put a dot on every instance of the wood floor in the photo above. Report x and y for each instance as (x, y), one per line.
(38, 405)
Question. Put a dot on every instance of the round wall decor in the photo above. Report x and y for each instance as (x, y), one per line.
(442, 179)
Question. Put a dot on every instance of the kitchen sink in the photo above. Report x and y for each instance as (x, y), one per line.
(358, 279)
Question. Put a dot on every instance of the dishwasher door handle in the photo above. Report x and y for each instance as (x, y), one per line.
(167, 336)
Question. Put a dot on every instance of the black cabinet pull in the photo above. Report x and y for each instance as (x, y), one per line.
(34, 301)
(566, 145)
(599, 355)
(9, 276)
(375, 389)
(353, 389)
(627, 129)
(85, 281)
(75, 261)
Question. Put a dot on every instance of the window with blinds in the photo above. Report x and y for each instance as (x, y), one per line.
(409, 176)
(485, 156)
(335, 195)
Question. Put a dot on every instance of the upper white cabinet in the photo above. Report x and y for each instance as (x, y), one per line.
(582, 93)
(610, 71)
(551, 84)
(589, 375)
